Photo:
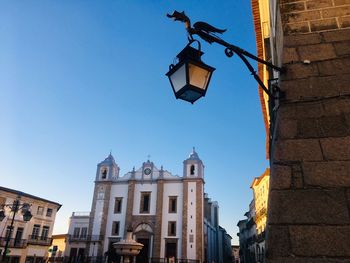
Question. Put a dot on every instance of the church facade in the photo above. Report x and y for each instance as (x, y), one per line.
(165, 211)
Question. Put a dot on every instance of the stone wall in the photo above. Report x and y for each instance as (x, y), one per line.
(309, 202)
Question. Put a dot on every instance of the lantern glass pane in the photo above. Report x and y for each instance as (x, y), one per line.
(198, 76)
(178, 78)
(190, 95)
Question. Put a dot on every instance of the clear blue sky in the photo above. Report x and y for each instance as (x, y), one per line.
(81, 78)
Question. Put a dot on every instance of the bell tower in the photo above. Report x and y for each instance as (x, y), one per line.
(107, 172)
(193, 166)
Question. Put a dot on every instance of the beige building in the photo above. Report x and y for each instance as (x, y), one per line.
(29, 241)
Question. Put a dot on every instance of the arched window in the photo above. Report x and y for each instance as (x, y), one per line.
(104, 173)
(192, 170)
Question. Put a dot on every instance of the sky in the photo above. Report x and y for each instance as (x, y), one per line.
(81, 79)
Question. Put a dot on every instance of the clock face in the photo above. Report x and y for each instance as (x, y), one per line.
(147, 171)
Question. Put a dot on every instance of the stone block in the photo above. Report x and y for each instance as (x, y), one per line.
(338, 35)
(336, 11)
(294, 28)
(300, 40)
(333, 126)
(336, 149)
(308, 206)
(299, 71)
(312, 241)
(337, 106)
(297, 150)
(327, 174)
(342, 48)
(301, 16)
(344, 21)
(341, 2)
(287, 129)
(317, 4)
(323, 24)
(308, 128)
(316, 52)
(330, 85)
(290, 55)
(335, 66)
(296, 259)
(280, 177)
(279, 237)
(314, 110)
(292, 7)
(297, 89)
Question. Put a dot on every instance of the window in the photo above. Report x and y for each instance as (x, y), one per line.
(145, 202)
(172, 228)
(192, 170)
(83, 233)
(8, 231)
(49, 212)
(76, 232)
(35, 232)
(104, 173)
(115, 228)
(191, 238)
(118, 205)
(172, 204)
(45, 233)
(40, 210)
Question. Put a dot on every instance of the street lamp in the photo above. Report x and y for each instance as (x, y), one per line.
(14, 207)
(190, 77)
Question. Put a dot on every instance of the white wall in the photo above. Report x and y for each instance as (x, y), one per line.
(172, 189)
(191, 220)
(145, 187)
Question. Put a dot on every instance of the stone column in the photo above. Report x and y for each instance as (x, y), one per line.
(309, 202)
(158, 219)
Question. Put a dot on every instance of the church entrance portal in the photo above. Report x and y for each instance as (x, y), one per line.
(143, 256)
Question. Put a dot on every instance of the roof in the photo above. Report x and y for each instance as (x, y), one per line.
(16, 192)
(260, 54)
(257, 180)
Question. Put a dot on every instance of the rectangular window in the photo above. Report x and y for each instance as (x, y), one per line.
(118, 205)
(171, 228)
(145, 202)
(45, 233)
(35, 232)
(115, 228)
(83, 233)
(49, 212)
(8, 231)
(172, 204)
(40, 210)
(76, 232)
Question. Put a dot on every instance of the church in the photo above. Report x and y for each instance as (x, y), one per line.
(169, 214)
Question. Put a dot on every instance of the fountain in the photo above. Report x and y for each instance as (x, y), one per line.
(128, 248)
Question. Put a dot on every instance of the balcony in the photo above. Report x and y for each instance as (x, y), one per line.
(13, 242)
(93, 238)
(39, 240)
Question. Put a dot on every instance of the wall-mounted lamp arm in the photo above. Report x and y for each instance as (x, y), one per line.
(207, 33)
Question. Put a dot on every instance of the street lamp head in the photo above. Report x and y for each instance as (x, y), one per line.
(27, 216)
(2, 215)
(190, 77)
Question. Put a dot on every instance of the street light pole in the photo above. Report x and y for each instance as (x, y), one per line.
(15, 207)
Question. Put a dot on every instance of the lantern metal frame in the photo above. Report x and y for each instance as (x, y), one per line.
(15, 207)
(187, 56)
(208, 34)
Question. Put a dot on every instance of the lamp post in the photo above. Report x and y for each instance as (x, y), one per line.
(14, 208)
(190, 77)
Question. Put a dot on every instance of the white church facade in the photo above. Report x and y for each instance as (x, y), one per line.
(166, 213)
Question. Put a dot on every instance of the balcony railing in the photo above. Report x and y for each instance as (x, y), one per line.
(93, 238)
(13, 242)
(39, 240)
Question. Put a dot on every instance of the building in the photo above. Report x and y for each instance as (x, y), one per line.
(235, 254)
(169, 214)
(29, 241)
(58, 247)
(252, 230)
(308, 133)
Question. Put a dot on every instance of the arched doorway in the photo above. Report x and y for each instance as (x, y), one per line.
(144, 235)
